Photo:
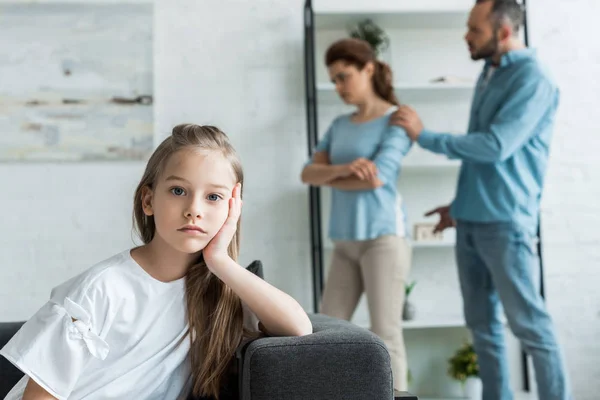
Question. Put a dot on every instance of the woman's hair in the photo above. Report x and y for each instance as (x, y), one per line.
(359, 53)
(214, 311)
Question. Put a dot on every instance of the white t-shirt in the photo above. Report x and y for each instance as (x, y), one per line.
(129, 340)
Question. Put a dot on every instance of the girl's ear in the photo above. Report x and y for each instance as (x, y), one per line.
(147, 201)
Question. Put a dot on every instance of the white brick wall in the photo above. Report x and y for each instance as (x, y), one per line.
(208, 70)
(562, 32)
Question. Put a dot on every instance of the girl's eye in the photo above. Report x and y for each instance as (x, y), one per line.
(177, 191)
(214, 197)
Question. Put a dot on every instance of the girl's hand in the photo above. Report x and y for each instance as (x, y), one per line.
(217, 248)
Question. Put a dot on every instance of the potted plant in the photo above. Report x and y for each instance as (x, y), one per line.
(408, 311)
(464, 368)
(370, 32)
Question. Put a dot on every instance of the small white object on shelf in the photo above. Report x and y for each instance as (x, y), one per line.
(452, 80)
(424, 232)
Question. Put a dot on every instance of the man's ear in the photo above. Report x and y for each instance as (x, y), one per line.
(147, 201)
(505, 32)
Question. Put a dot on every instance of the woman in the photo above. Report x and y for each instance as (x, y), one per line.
(359, 158)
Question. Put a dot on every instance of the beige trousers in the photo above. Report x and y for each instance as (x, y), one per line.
(378, 267)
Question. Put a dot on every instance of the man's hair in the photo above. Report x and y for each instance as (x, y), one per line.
(506, 11)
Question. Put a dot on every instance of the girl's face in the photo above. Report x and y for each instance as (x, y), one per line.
(190, 200)
(351, 84)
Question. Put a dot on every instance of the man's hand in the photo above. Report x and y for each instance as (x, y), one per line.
(446, 220)
(407, 118)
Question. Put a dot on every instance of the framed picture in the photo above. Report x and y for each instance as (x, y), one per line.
(76, 83)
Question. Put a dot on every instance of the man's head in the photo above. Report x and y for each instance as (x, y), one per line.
(492, 26)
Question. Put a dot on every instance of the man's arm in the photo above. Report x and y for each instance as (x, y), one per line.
(511, 128)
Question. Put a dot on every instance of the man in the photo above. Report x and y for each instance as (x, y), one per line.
(504, 157)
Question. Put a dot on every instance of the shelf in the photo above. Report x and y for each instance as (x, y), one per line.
(432, 244)
(417, 87)
(431, 167)
(433, 324)
(392, 17)
(427, 324)
(451, 323)
(442, 244)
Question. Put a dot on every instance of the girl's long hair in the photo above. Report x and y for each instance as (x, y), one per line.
(359, 53)
(214, 311)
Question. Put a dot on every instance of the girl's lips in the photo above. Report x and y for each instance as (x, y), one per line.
(192, 230)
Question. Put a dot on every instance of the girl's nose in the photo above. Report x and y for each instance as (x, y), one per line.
(194, 209)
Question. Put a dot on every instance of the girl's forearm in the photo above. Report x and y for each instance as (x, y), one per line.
(278, 312)
(33, 391)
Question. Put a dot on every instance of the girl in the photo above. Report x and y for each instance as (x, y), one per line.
(123, 328)
(359, 158)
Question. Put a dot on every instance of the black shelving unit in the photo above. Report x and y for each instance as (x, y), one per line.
(314, 193)
(316, 237)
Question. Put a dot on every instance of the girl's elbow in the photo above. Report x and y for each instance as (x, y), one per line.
(300, 325)
(304, 329)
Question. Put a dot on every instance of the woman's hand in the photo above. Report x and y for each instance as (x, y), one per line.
(216, 250)
(363, 169)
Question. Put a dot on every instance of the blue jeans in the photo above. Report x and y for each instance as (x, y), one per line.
(497, 266)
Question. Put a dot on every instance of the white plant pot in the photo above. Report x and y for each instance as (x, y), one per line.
(472, 388)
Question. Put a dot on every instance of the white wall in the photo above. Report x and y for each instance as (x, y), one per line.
(239, 65)
(562, 32)
(58, 219)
